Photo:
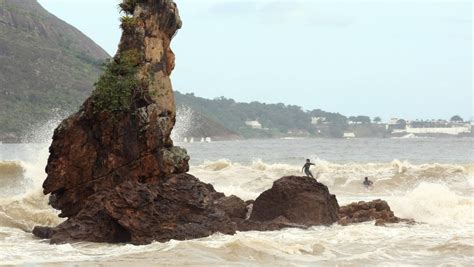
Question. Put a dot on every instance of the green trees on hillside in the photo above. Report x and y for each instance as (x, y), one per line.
(456, 118)
(276, 119)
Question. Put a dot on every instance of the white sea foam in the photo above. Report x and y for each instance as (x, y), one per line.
(435, 204)
(247, 181)
(439, 196)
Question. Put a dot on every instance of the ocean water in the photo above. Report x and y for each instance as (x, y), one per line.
(426, 179)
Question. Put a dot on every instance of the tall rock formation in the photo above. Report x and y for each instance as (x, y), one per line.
(122, 132)
(113, 165)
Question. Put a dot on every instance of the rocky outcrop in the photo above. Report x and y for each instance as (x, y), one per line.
(178, 207)
(113, 170)
(122, 132)
(233, 206)
(296, 200)
(376, 210)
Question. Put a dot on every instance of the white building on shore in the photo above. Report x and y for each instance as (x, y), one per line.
(456, 130)
(349, 135)
(254, 124)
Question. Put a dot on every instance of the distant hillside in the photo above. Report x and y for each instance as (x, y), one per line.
(45, 64)
(277, 120)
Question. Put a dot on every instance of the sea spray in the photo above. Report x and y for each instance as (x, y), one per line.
(184, 122)
(249, 180)
(23, 204)
(41, 133)
(435, 204)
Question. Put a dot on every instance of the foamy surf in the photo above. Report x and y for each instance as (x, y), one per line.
(249, 180)
(437, 195)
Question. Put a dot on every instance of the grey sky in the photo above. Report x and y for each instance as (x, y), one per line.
(410, 59)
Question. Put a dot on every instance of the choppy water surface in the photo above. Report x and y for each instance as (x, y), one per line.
(429, 180)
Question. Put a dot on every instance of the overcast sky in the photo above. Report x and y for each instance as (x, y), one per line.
(410, 59)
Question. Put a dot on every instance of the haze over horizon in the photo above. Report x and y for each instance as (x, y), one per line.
(387, 58)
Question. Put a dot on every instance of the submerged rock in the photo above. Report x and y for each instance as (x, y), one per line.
(376, 210)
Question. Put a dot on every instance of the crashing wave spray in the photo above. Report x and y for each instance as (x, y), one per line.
(23, 204)
(342, 179)
(184, 121)
(41, 133)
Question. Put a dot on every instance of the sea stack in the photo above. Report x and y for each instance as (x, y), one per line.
(113, 170)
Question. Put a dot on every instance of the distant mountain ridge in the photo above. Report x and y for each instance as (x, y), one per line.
(45, 64)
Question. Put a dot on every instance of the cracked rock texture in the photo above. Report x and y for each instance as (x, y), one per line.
(116, 175)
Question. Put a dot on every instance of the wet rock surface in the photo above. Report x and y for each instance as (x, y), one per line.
(292, 202)
(233, 206)
(179, 207)
(301, 200)
(376, 210)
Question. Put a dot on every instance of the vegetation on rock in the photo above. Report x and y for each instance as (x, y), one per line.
(114, 90)
(127, 23)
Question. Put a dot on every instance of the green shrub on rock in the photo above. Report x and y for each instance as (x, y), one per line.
(116, 86)
(128, 22)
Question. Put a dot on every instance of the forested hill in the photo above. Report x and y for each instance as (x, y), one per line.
(276, 120)
(45, 64)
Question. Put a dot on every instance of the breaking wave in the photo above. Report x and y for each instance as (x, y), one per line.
(432, 193)
(22, 204)
(26, 211)
(435, 204)
(247, 181)
(11, 172)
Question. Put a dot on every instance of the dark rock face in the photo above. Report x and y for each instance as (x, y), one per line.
(376, 210)
(296, 200)
(233, 206)
(100, 147)
(179, 207)
(113, 169)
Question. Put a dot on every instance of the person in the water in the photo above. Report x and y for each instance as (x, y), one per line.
(367, 183)
(306, 167)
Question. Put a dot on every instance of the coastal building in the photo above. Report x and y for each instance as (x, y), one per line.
(393, 121)
(254, 124)
(349, 135)
(317, 120)
(455, 130)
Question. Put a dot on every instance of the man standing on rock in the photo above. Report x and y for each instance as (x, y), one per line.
(306, 167)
